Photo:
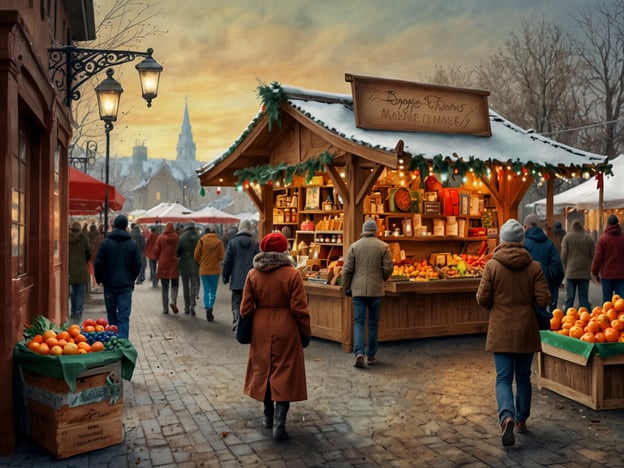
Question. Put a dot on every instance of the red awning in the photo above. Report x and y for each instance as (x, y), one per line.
(86, 194)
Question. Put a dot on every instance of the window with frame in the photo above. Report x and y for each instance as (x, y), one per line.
(19, 164)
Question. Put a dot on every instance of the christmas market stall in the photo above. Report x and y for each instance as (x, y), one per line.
(432, 165)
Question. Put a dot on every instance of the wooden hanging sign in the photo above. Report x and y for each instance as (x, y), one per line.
(383, 104)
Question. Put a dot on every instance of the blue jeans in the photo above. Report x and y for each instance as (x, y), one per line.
(118, 302)
(76, 297)
(508, 365)
(580, 285)
(611, 287)
(210, 283)
(360, 304)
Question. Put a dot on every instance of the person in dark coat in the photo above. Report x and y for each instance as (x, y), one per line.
(275, 295)
(168, 272)
(189, 268)
(511, 285)
(137, 236)
(577, 254)
(117, 266)
(558, 235)
(608, 263)
(239, 256)
(543, 249)
(92, 234)
(78, 269)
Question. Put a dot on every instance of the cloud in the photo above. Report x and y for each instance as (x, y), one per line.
(214, 51)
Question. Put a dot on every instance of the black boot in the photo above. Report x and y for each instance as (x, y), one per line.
(279, 429)
(209, 315)
(267, 418)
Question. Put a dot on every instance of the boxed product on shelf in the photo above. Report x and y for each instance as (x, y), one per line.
(431, 208)
(449, 198)
(477, 232)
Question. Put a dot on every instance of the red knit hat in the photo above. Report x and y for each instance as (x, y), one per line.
(274, 242)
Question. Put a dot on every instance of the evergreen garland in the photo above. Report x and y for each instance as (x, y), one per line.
(272, 97)
(267, 174)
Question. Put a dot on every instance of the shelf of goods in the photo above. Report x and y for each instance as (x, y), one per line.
(412, 307)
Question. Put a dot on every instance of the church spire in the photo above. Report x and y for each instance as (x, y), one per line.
(186, 146)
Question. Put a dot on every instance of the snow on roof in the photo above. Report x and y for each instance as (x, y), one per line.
(508, 143)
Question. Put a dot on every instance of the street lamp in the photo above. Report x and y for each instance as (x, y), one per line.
(72, 66)
(108, 94)
(87, 160)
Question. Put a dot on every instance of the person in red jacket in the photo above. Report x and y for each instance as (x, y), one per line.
(608, 264)
(150, 245)
(168, 272)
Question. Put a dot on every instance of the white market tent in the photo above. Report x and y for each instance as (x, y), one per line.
(585, 196)
(164, 213)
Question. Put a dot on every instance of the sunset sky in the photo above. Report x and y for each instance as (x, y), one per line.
(215, 51)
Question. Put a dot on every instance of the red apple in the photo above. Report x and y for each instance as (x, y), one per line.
(113, 328)
(101, 321)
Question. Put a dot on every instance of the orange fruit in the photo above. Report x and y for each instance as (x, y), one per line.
(589, 337)
(612, 314)
(621, 338)
(564, 331)
(615, 297)
(80, 338)
(618, 304)
(62, 343)
(34, 346)
(592, 326)
(606, 306)
(99, 328)
(63, 335)
(73, 330)
(585, 316)
(84, 346)
(89, 328)
(566, 325)
(49, 334)
(56, 351)
(555, 323)
(82, 351)
(38, 338)
(617, 324)
(576, 332)
(52, 341)
(582, 309)
(603, 321)
(70, 348)
(557, 313)
(611, 335)
(43, 349)
(600, 337)
(97, 346)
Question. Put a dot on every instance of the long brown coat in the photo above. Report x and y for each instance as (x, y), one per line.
(165, 251)
(275, 294)
(512, 283)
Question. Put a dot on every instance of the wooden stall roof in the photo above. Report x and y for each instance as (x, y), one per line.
(331, 115)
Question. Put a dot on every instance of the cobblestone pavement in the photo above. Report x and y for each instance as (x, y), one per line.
(428, 403)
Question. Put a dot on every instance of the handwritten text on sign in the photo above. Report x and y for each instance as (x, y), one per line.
(403, 106)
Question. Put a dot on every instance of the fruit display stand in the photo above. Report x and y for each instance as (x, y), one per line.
(589, 373)
(75, 403)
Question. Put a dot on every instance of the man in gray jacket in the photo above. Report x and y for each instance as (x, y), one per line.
(577, 254)
(366, 269)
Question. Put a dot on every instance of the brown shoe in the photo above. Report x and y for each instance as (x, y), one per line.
(507, 432)
(521, 427)
(371, 360)
(174, 308)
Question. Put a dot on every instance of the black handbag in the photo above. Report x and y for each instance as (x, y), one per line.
(244, 326)
(543, 317)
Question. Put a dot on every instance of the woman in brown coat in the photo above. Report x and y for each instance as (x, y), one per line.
(275, 295)
(167, 270)
(511, 285)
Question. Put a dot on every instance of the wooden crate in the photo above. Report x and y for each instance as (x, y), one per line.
(70, 423)
(594, 381)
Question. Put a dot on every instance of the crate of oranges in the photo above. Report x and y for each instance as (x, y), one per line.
(72, 384)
